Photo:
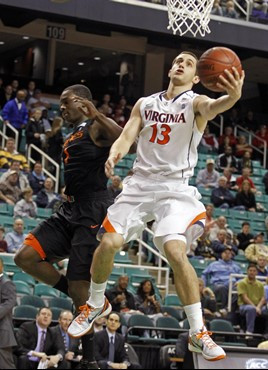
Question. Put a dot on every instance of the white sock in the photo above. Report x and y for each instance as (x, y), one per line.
(195, 316)
(97, 291)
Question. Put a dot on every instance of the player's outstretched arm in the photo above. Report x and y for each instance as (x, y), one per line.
(122, 145)
(108, 129)
(232, 83)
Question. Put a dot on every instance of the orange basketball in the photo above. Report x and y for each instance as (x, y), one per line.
(213, 63)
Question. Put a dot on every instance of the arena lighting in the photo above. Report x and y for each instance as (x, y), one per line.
(65, 68)
(2, 42)
(97, 58)
(25, 37)
(80, 63)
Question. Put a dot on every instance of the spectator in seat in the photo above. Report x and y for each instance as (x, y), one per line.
(26, 207)
(249, 122)
(36, 178)
(208, 178)
(208, 301)
(204, 248)
(119, 117)
(16, 113)
(10, 193)
(222, 197)
(227, 160)
(35, 133)
(16, 237)
(245, 162)
(262, 266)
(116, 187)
(265, 181)
(22, 182)
(30, 91)
(47, 194)
(7, 303)
(246, 176)
(246, 198)
(71, 345)
(231, 180)
(109, 346)
(55, 140)
(6, 96)
(231, 139)
(119, 297)
(217, 275)
(3, 243)
(12, 154)
(262, 137)
(221, 243)
(245, 237)
(210, 221)
(100, 324)
(229, 11)
(256, 249)
(220, 224)
(37, 341)
(233, 118)
(242, 146)
(217, 9)
(146, 301)
(38, 102)
(209, 143)
(15, 87)
(251, 299)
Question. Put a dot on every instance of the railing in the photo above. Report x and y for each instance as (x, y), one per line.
(5, 137)
(250, 135)
(231, 291)
(44, 158)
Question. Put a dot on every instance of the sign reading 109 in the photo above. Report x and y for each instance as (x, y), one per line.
(54, 32)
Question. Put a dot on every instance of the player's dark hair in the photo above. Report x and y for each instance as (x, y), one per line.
(186, 52)
(80, 90)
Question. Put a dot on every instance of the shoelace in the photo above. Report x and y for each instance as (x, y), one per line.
(85, 311)
(205, 337)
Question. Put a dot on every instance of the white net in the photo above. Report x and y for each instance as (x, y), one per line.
(189, 16)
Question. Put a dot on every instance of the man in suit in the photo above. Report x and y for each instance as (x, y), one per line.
(109, 346)
(36, 342)
(7, 302)
(70, 344)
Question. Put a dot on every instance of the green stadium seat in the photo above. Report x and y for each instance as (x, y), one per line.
(256, 164)
(258, 226)
(240, 258)
(257, 216)
(22, 276)
(44, 212)
(62, 303)
(225, 326)
(143, 320)
(56, 313)
(122, 257)
(205, 192)
(172, 300)
(257, 180)
(238, 215)
(25, 312)
(174, 312)
(168, 323)
(221, 212)
(4, 209)
(32, 300)
(6, 221)
(22, 288)
(43, 290)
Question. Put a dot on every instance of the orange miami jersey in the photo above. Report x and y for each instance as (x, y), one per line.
(169, 137)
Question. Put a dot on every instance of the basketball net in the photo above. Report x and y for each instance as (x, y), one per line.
(189, 16)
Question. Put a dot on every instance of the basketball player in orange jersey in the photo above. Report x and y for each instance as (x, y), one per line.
(169, 126)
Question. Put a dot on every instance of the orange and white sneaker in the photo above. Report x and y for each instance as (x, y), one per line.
(201, 342)
(83, 323)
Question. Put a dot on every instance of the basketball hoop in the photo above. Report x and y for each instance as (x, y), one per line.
(189, 16)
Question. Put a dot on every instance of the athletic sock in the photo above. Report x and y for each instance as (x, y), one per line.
(97, 291)
(195, 316)
(87, 347)
(62, 285)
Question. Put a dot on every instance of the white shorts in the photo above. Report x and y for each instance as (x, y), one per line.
(173, 205)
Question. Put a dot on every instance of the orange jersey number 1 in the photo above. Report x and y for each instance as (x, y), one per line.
(165, 131)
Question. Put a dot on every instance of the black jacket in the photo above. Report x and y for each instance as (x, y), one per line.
(113, 293)
(73, 343)
(101, 348)
(27, 337)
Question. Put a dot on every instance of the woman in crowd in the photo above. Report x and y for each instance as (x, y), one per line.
(246, 198)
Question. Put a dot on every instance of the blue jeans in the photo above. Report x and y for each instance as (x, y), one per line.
(250, 313)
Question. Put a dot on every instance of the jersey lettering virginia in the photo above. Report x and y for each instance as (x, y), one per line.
(169, 137)
(83, 163)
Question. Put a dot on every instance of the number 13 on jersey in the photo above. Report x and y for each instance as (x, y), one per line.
(164, 132)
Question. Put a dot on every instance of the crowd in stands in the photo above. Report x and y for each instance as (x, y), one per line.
(229, 8)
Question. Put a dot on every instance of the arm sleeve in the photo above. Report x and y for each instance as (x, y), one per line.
(250, 253)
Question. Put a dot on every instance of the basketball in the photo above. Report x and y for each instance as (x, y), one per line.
(213, 63)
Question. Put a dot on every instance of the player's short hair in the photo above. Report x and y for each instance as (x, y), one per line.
(80, 90)
(186, 52)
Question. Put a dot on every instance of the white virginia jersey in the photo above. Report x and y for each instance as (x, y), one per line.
(169, 137)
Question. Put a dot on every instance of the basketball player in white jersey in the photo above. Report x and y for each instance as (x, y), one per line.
(169, 126)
